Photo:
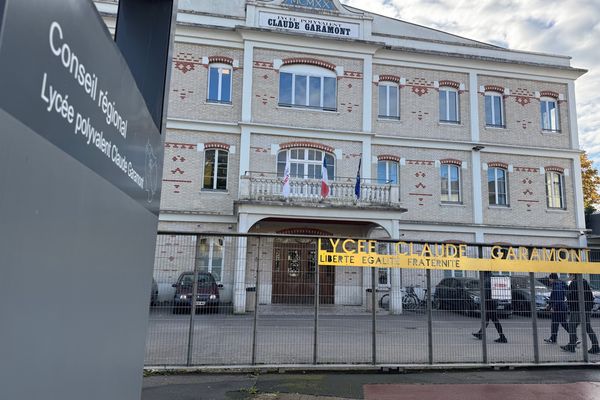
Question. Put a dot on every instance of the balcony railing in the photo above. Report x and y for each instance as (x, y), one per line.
(262, 188)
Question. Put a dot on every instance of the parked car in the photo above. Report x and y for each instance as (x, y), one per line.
(521, 295)
(153, 293)
(207, 295)
(463, 295)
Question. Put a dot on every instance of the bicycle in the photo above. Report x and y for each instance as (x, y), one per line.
(410, 301)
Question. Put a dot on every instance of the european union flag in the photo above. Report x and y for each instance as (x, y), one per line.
(357, 185)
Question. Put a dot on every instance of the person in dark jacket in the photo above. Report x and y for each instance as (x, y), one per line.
(490, 309)
(558, 306)
(575, 315)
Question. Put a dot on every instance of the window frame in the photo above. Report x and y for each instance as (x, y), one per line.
(550, 190)
(210, 256)
(447, 90)
(387, 179)
(215, 172)
(221, 67)
(308, 72)
(492, 96)
(331, 164)
(449, 185)
(544, 106)
(496, 196)
(387, 85)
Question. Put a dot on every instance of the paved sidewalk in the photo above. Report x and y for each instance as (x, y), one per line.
(522, 384)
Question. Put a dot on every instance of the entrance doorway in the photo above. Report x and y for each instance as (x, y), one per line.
(294, 269)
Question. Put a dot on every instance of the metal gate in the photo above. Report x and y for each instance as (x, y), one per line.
(225, 300)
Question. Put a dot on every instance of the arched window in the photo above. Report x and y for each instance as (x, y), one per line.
(387, 172)
(305, 163)
(449, 105)
(389, 100)
(549, 113)
(307, 86)
(555, 189)
(215, 169)
(219, 83)
(450, 183)
(497, 186)
(494, 110)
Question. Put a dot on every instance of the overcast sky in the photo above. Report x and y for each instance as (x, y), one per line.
(565, 27)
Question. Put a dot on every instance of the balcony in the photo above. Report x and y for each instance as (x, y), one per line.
(341, 193)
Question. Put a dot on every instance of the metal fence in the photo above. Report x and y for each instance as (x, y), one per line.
(264, 300)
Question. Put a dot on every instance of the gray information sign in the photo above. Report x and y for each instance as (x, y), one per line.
(64, 77)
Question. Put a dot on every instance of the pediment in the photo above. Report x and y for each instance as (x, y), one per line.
(319, 6)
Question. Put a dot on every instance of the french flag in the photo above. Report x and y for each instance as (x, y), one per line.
(324, 184)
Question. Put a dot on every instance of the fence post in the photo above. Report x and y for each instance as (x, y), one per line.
(255, 303)
(534, 322)
(374, 308)
(429, 320)
(482, 308)
(317, 299)
(582, 317)
(192, 311)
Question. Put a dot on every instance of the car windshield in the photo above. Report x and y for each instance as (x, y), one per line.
(523, 283)
(473, 284)
(203, 280)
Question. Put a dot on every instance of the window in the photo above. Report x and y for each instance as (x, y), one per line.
(305, 163)
(219, 83)
(554, 189)
(453, 274)
(494, 110)
(215, 169)
(389, 104)
(308, 86)
(450, 175)
(549, 112)
(209, 257)
(448, 105)
(497, 185)
(387, 172)
(318, 4)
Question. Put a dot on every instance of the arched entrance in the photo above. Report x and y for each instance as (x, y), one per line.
(294, 271)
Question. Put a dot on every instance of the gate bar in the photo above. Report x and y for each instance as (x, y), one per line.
(317, 299)
(192, 315)
(374, 308)
(429, 320)
(582, 318)
(482, 309)
(255, 302)
(534, 321)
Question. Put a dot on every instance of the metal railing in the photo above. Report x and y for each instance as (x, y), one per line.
(309, 190)
(273, 305)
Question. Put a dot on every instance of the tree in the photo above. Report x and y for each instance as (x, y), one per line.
(591, 181)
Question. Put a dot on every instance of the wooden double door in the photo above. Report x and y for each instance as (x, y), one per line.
(295, 265)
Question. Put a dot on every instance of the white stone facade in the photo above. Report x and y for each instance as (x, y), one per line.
(255, 127)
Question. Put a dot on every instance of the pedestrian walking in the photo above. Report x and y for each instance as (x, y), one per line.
(558, 307)
(490, 310)
(575, 315)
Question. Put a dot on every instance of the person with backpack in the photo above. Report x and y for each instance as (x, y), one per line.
(558, 306)
(575, 315)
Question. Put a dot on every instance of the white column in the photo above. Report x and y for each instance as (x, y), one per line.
(244, 150)
(477, 189)
(247, 81)
(573, 128)
(474, 106)
(367, 91)
(578, 191)
(395, 277)
(366, 160)
(239, 278)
